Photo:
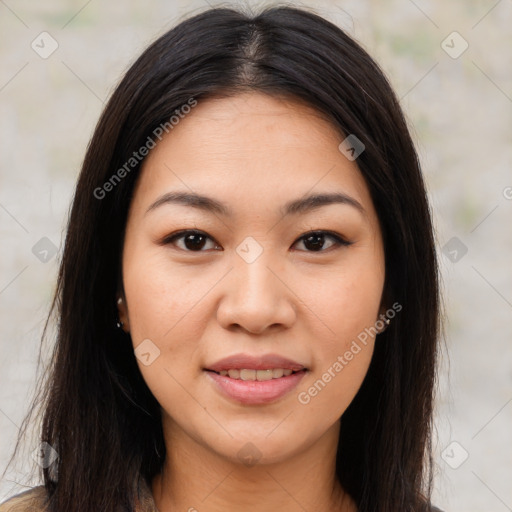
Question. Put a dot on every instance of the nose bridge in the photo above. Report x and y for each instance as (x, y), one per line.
(255, 282)
(256, 298)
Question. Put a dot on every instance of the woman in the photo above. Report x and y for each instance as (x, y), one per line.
(248, 296)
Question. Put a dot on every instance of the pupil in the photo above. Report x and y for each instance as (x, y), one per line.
(317, 241)
(189, 241)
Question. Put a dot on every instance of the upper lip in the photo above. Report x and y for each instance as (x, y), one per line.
(249, 362)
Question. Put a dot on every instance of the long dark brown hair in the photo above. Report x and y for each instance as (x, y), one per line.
(97, 412)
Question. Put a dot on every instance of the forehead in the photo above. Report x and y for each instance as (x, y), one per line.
(258, 122)
(251, 150)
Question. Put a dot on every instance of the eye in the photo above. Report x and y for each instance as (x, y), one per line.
(193, 240)
(314, 240)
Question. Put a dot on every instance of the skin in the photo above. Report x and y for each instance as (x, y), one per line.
(254, 153)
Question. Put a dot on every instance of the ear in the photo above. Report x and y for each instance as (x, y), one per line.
(122, 312)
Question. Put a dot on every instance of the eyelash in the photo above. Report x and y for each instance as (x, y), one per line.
(339, 241)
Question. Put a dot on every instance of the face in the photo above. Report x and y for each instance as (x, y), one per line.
(256, 273)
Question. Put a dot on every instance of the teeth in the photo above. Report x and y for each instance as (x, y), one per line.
(248, 374)
(259, 375)
(264, 374)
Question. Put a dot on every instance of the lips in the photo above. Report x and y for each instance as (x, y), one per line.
(255, 380)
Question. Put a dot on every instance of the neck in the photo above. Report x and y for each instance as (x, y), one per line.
(196, 479)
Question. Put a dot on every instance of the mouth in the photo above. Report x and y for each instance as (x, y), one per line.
(248, 374)
(253, 379)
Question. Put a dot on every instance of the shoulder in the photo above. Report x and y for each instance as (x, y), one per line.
(32, 500)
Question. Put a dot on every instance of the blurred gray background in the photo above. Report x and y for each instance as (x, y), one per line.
(451, 65)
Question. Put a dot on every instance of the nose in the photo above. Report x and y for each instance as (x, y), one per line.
(256, 297)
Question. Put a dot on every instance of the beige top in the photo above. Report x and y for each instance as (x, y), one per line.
(34, 500)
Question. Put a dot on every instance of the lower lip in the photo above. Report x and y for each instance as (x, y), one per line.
(256, 392)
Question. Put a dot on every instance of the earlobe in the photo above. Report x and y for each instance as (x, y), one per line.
(122, 313)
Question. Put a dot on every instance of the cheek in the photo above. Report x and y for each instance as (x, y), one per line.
(341, 355)
(163, 305)
(347, 307)
(164, 308)
(159, 296)
(348, 299)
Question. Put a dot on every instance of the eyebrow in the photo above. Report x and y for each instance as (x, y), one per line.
(301, 205)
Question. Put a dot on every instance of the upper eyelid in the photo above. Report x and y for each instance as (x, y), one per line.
(184, 232)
